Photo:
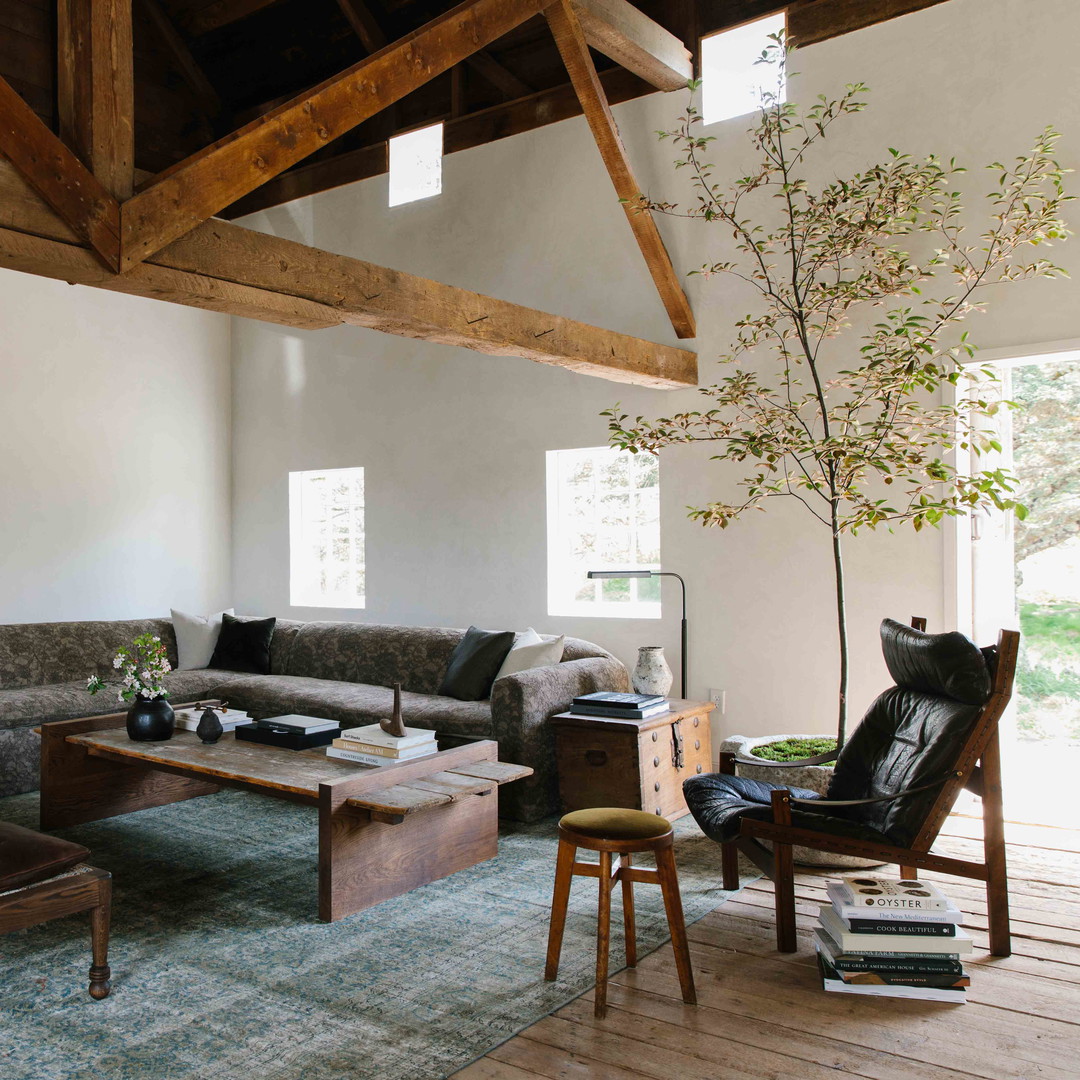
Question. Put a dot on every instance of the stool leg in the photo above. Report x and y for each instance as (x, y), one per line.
(669, 885)
(564, 871)
(628, 915)
(100, 973)
(603, 935)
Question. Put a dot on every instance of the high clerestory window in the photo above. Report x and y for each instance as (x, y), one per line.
(326, 538)
(603, 514)
(416, 165)
(732, 82)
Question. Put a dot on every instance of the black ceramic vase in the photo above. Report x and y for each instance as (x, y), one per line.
(150, 720)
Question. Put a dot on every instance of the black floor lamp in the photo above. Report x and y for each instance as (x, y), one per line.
(655, 573)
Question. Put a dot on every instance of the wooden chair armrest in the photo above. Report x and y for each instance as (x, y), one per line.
(880, 798)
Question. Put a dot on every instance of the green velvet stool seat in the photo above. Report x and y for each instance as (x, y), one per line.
(613, 830)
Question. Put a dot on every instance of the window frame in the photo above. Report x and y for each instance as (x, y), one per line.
(562, 581)
(302, 591)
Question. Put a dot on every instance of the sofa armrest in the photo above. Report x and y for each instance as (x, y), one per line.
(520, 706)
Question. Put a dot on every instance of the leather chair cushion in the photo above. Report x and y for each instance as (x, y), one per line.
(949, 665)
(27, 857)
(720, 802)
(616, 823)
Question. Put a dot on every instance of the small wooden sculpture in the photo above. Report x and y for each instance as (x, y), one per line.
(395, 725)
(209, 729)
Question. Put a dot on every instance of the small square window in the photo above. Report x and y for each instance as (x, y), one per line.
(732, 81)
(326, 538)
(416, 165)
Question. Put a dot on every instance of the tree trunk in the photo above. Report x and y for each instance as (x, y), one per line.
(841, 621)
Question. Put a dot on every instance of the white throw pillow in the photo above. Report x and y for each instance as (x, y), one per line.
(196, 637)
(532, 651)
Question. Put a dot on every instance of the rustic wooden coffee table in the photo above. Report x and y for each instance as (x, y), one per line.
(381, 831)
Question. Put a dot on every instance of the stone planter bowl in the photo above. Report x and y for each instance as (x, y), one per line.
(814, 777)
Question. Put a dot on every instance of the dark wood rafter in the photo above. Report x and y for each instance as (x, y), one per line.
(59, 177)
(221, 13)
(224, 267)
(570, 38)
(200, 186)
(96, 89)
(811, 21)
(186, 63)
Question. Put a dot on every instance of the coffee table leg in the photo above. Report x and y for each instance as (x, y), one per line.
(363, 862)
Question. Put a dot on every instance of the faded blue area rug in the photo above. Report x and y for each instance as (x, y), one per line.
(221, 970)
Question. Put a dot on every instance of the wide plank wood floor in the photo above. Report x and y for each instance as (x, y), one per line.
(763, 1014)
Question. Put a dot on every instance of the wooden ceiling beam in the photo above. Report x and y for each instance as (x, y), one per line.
(634, 41)
(811, 21)
(186, 64)
(208, 181)
(474, 129)
(95, 88)
(59, 177)
(221, 13)
(228, 268)
(570, 38)
(358, 16)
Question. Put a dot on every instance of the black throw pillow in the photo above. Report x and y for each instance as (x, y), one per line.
(475, 663)
(244, 645)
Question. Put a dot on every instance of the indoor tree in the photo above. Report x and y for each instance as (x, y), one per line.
(854, 421)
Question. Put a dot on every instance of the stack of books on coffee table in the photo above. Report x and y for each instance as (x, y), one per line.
(618, 705)
(371, 745)
(888, 938)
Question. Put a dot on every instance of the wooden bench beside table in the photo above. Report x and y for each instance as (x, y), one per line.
(382, 831)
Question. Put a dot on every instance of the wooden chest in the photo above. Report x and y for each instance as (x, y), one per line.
(639, 764)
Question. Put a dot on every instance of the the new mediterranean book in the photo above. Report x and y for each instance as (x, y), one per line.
(371, 745)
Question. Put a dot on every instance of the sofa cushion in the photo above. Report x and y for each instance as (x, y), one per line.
(475, 662)
(244, 645)
(38, 654)
(196, 638)
(377, 655)
(27, 856)
(354, 704)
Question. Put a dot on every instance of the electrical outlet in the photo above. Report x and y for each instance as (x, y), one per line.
(719, 699)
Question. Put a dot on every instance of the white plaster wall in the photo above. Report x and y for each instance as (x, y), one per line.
(114, 454)
(454, 441)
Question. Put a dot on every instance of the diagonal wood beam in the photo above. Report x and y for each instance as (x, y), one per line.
(208, 181)
(95, 88)
(629, 37)
(358, 16)
(242, 272)
(58, 176)
(590, 91)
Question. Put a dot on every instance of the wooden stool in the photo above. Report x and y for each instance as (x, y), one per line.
(619, 832)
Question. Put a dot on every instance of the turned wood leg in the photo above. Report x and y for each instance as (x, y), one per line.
(629, 931)
(669, 886)
(997, 880)
(729, 862)
(100, 974)
(784, 877)
(564, 872)
(603, 935)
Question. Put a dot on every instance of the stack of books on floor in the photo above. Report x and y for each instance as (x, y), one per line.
(888, 938)
(371, 745)
(618, 705)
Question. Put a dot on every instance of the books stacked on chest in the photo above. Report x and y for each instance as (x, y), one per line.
(614, 704)
(371, 745)
(888, 938)
(188, 719)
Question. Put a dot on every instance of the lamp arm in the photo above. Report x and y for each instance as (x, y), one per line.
(682, 658)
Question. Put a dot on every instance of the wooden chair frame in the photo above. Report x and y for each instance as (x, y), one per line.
(977, 768)
(86, 888)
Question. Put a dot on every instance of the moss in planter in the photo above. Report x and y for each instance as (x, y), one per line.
(794, 749)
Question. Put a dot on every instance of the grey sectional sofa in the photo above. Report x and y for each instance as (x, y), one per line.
(342, 671)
